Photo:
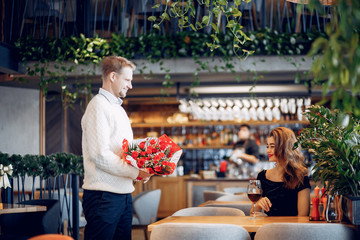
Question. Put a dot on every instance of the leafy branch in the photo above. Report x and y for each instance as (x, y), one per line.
(186, 15)
(333, 139)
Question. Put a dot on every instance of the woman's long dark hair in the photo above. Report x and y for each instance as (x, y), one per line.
(290, 159)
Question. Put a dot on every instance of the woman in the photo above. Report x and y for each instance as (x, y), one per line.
(286, 187)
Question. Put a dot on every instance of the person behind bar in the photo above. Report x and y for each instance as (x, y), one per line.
(286, 187)
(246, 148)
(108, 179)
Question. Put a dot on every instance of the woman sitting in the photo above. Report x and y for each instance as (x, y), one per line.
(286, 187)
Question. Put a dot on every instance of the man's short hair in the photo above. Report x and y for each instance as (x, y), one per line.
(245, 125)
(115, 64)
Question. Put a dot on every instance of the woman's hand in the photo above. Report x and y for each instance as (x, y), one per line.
(264, 203)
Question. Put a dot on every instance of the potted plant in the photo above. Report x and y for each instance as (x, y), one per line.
(333, 139)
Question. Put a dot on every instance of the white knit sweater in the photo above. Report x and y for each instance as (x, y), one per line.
(105, 124)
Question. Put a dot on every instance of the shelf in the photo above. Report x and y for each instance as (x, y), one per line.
(214, 123)
(207, 147)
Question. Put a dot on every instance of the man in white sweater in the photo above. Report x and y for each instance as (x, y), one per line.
(108, 179)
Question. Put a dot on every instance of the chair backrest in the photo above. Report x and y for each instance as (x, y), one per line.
(309, 231)
(209, 211)
(66, 205)
(241, 197)
(213, 195)
(235, 190)
(199, 231)
(146, 206)
(51, 237)
(245, 207)
(51, 218)
(32, 223)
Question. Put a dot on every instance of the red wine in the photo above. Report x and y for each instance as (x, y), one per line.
(254, 197)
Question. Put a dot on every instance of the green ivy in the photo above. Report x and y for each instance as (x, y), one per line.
(44, 166)
(152, 47)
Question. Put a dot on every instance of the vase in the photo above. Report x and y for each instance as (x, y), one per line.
(351, 208)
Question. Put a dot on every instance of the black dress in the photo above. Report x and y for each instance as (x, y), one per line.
(284, 200)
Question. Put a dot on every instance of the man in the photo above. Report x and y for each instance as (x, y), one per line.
(108, 179)
(246, 148)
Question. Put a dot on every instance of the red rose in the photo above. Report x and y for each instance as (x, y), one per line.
(158, 168)
(141, 162)
(135, 155)
(155, 161)
(161, 154)
(152, 141)
(125, 142)
(142, 145)
(157, 157)
(151, 171)
(149, 150)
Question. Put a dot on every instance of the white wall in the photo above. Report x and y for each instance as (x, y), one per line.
(19, 120)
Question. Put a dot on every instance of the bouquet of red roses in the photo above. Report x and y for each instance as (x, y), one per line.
(155, 155)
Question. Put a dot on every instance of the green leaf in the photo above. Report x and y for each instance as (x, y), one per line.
(237, 2)
(165, 16)
(205, 20)
(213, 25)
(151, 18)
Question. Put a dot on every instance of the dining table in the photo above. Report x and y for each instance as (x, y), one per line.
(247, 222)
(6, 208)
(222, 203)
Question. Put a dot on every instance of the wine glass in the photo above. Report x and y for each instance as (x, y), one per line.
(254, 192)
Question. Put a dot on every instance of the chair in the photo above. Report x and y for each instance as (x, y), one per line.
(309, 231)
(213, 195)
(245, 207)
(66, 206)
(199, 231)
(51, 237)
(234, 190)
(145, 207)
(209, 211)
(241, 197)
(26, 225)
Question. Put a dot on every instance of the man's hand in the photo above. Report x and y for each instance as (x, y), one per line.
(143, 174)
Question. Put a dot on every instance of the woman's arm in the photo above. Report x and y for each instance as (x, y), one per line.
(304, 202)
(263, 203)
